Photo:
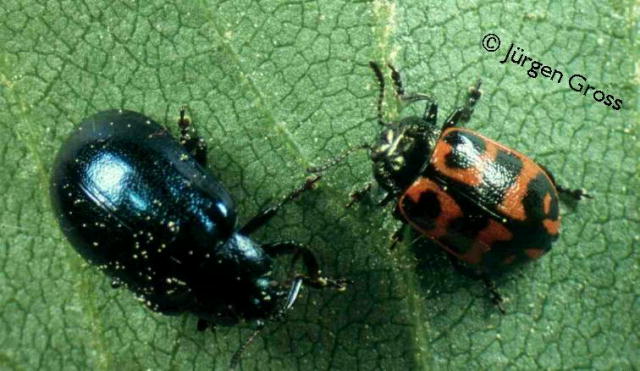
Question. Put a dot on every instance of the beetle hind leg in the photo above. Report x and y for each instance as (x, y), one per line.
(494, 295)
(190, 139)
(576, 194)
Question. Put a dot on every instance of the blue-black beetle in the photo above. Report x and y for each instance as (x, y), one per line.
(141, 206)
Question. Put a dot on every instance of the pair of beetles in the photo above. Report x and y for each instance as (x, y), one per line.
(142, 206)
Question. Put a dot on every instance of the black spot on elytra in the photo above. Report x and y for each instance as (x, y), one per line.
(498, 177)
(425, 211)
(469, 224)
(534, 201)
(554, 213)
(464, 230)
(511, 164)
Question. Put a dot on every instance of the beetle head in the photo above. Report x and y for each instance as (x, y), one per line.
(402, 152)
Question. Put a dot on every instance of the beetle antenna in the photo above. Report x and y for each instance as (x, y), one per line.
(236, 356)
(376, 69)
(338, 159)
(292, 296)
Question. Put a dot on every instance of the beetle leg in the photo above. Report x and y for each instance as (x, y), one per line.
(312, 265)
(202, 324)
(452, 119)
(266, 214)
(577, 194)
(358, 195)
(321, 282)
(431, 114)
(313, 277)
(398, 236)
(387, 198)
(415, 97)
(496, 298)
(463, 114)
(190, 139)
(494, 295)
(297, 250)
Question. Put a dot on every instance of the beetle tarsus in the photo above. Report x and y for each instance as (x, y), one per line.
(577, 194)
(490, 286)
(495, 296)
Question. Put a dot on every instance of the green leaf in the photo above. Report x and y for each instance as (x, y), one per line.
(277, 86)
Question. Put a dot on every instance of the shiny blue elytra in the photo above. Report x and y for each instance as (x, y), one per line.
(142, 207)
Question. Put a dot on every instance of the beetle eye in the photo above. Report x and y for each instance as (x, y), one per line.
(397, 163)
(407, 144)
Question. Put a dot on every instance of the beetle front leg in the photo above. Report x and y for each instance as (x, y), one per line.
(190, 139)
(576, 194)
(399, 89)
(313, 277)
(398, 236)
(430, 115)
(358, 195)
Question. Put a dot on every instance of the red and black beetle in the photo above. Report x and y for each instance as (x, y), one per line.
(485, 204)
